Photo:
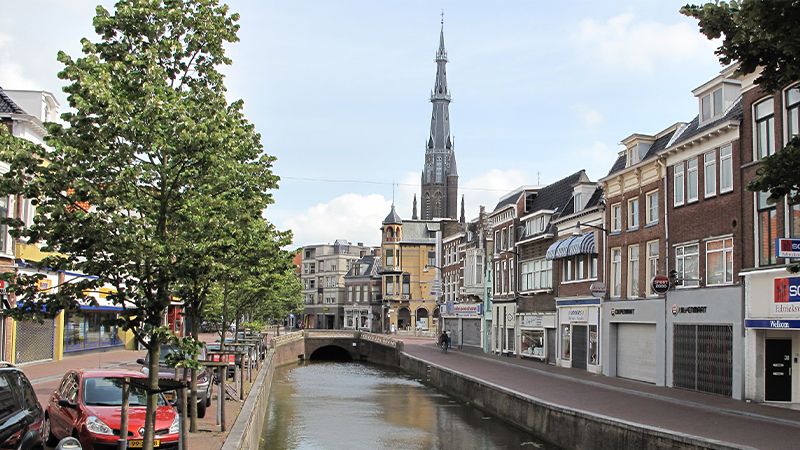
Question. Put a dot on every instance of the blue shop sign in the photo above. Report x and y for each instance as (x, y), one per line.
(773, 324)
(787, 248)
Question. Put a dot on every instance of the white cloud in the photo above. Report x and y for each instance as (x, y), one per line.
(487, 188)
(354, 217)
(625, 43)
(590, 117)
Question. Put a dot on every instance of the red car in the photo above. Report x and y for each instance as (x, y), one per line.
(88, 405)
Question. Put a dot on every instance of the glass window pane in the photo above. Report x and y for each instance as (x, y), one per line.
(764, 109)
(793, 96)
(718, 102)
(706, 105)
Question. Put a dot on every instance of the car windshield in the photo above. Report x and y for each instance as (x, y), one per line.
(108, 392)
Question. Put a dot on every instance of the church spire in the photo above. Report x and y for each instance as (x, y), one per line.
(414, 211)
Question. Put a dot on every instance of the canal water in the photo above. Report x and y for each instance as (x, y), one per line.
(353, 405)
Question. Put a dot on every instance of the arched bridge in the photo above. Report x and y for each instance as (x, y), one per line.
(340, 345)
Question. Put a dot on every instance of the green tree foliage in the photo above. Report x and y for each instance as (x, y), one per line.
(153, 157)
(761, 36)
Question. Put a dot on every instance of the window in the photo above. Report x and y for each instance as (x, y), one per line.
(497, 277)
(616, 271)
(350, 295)
(652, 208)
(4, 228)
(577, 202)
(691, 180)
(719, 261)
(633, 214)
(406, 284)
(710, 173)
(535, 226)
(593, 266)
(503, 239)
(567, 265)
(725, 169)
(511, 286)
(767, 230)
(389, 257)
(633, 271)
(431, 258)
(792, 109)
(678, 185)
(579, 265)
(616, 217)
(526, 276)
(687, 264)
(565, 341)
(536, 275)
(503, 278)
(765, 129)
(510, 237)
(633, 155)
(794, 221)
(711, 105)
(358, 294)
(389, 285)
(497, 242)
(652, 265)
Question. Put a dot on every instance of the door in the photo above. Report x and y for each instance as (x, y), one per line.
(778, 370)
(580, 340)
(551, 345)
(636, 351)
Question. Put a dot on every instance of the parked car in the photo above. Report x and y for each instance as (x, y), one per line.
(21, 415)
(230, 358)
(88, 406)
(203, 377)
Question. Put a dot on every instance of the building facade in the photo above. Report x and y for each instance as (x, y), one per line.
(364, 309)
(322, 277)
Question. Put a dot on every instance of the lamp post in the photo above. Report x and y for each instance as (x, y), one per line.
(577, 230)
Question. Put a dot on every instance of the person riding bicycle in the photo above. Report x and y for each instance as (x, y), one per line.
(442, 339)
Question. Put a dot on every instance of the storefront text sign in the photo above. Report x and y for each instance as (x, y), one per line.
(787, 248)
(531, 321)
(787, 290)
(773, 324)
(473, 308)
(577, 314)
(689, 310)
(622, 311)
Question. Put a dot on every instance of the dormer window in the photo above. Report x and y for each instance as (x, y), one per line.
(535, 226)
(577, 201)
(711, 105)
(633, 155)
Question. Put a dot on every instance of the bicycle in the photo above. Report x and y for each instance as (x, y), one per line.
(444, 346)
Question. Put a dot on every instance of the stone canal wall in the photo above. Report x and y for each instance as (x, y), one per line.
(570, 429)
(246, 431)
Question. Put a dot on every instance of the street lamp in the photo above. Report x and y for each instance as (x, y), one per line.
(425, 269)
(577, 229)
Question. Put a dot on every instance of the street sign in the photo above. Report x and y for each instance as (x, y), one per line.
(787, 248)
(660, 284)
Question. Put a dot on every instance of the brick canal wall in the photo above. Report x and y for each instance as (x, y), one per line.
(566, 428)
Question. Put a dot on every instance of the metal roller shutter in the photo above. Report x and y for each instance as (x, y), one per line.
(34, 341)
(580, 340)
(636, 351)
(472, 332)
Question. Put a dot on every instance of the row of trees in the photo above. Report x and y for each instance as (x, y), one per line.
(157, 186)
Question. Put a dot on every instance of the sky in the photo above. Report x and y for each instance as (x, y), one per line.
(339, 91)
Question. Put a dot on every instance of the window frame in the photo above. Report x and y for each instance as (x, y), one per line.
(633, 271)
(633, 214)
(792, 112)
(652, 208)
(727, 260)
(678, 185)
(616, 272)
(725, 160)
(768, 120)
(616, 217)
(692, 174)
(681, 257)
(764, 208)
(651, 268)
(710, 170)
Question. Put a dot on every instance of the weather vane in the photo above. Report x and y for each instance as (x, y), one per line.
(442, 16)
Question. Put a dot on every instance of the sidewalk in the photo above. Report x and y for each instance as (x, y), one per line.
(686, 412)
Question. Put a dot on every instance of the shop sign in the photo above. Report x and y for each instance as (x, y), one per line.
(598, 289)
(787, 290)
(787, 248)
(577, 314)
(473, 308)
(773, 324)
(689, 310)
(622, 311)
(531, 321)
(660, 284)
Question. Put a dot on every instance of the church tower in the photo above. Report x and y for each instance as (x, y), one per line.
(440, 176)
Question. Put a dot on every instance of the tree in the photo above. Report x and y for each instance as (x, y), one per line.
(761, 36)
(150, 135)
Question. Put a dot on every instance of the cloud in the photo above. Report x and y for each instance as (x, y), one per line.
(354, 217)
(597, 159)
(628, 44)
(487, 188)
(590, 117)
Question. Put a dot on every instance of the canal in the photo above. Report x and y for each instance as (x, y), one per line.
(353, 405)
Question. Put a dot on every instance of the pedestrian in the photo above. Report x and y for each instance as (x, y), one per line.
(449, 341)
(394, 329)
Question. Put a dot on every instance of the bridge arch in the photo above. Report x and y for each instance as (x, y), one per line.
(331, 352)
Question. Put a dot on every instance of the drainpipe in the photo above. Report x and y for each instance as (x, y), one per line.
(662, 161)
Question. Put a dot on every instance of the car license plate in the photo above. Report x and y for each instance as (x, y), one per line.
(137, 443)
(169, 395)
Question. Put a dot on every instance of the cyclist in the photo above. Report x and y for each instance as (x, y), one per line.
(443, 341)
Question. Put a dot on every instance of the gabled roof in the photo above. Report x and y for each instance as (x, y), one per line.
(7, 105)
(554, 197)
(659, 144)
(371, 271)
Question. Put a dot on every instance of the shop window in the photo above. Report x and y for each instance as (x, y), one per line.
(532, 343)
(565, 341)
(719, 261)
(593, 350)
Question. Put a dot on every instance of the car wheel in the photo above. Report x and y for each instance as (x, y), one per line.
(208, 396)
(47, 432)
(201, 410)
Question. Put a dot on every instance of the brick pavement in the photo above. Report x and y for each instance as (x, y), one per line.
(687, 412)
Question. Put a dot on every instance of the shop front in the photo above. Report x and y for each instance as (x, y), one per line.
(772, 336)
(463, 320)
(504, 327)
(537, 336)
(35, 340)
(578, 332)
(635, 336)
(88, 328)
(357, 318)
(705, 347)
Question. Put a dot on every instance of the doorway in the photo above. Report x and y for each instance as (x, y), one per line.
(778, 370)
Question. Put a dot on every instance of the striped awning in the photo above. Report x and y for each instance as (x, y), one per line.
(577, 245)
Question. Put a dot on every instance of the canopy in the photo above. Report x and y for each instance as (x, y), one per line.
(575, 245)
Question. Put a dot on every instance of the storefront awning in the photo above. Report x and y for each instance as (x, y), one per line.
(577, 245)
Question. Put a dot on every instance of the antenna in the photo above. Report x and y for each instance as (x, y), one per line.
(392, 192)
(538, 175)
(442, 16)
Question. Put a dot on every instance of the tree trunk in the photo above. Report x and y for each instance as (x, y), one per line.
(153, 352)
(193, 389)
